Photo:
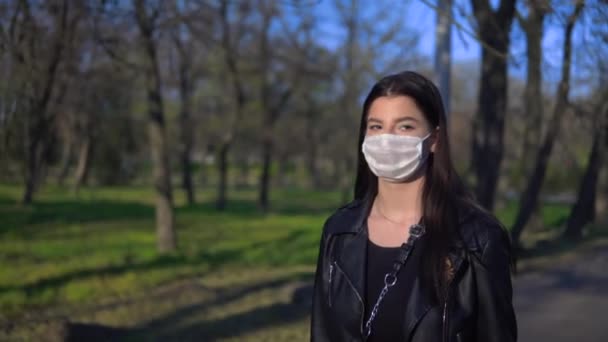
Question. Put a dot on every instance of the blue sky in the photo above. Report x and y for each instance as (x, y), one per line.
(421, 18)
(417, 16)
(464, 47)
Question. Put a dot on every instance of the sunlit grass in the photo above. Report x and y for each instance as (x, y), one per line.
(70, 249)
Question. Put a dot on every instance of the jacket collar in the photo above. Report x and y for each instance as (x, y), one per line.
(358, 210)
(353, 252)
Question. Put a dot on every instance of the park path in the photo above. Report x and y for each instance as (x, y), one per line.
(565, 302)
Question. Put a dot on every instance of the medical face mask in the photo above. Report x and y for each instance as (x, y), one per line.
(394, 157)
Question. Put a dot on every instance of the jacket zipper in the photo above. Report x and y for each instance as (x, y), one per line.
(331, 271)
(446, 313)
(356, 293)
(445, 316)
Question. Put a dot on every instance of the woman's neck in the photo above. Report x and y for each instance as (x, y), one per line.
(400, 202)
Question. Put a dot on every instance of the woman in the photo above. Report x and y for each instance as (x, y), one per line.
(413, 257)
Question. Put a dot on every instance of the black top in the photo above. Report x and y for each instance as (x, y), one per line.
(389, 322)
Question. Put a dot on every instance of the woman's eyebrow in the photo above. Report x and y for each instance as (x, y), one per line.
(406, 118)
(399, 119)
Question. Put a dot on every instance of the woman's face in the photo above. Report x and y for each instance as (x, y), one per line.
(398, 115)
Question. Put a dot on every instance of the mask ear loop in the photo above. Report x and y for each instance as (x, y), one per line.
(424, 156)
(423, 139)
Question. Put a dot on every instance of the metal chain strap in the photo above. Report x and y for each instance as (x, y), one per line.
(372, 316)
(390, 278)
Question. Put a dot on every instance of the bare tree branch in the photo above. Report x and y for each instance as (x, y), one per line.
(468, 32)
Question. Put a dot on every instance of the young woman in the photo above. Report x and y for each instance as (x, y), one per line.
(413, 257)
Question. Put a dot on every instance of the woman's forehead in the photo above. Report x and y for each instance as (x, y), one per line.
(394, 108)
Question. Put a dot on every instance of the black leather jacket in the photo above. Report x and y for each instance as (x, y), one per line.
(479, 305)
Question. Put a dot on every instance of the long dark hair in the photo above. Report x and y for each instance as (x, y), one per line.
(443, 190)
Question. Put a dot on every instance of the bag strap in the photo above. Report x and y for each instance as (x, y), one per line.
(390, 279)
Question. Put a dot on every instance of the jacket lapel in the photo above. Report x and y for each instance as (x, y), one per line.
(419, 301)
(350, 251)
(352, 257)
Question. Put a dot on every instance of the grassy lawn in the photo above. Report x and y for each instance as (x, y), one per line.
(101, 243)
(97, 249)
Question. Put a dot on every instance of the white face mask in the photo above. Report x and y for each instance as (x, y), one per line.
(394, 157)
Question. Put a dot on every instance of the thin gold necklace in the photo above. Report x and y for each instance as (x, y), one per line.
(388, 219)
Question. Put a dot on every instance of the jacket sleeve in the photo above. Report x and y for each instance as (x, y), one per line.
(318, 320)
(496, 320)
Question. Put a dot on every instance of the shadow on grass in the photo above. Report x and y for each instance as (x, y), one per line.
(187, 323)
(214, 260)
(171, 327)
(545, 248)
(16, 216)
(248, 208)
(76, 332)
(559, 245)
(233, 326)
(209, 260)
(236, 325)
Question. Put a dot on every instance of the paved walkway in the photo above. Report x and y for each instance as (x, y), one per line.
(566, 302)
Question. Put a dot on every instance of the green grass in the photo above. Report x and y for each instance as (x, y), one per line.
(552, 215)
(71, 249)
(78, 249)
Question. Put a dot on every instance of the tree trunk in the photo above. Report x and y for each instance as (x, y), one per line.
(443, 51)
(230, 59)
(533, 97)
(222, 164)
(529, 198)
(186, 135)
(313, 169)
(38, 116)
(283, 170)
(66, 160)
(345, 180)
(583, 210)
(84, 161)
(312, 155)
(244, 173)
(488, 126)
(204, 172)
(270, 115)
(263, 200)
(32, 168)
(165, 225)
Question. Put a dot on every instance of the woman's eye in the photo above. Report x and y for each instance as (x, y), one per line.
(375, 127)
(406, 127)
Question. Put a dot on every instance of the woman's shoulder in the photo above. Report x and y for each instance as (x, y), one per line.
(480, 229)
(345, 218)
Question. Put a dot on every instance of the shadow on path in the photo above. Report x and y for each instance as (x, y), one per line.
(186, 323)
